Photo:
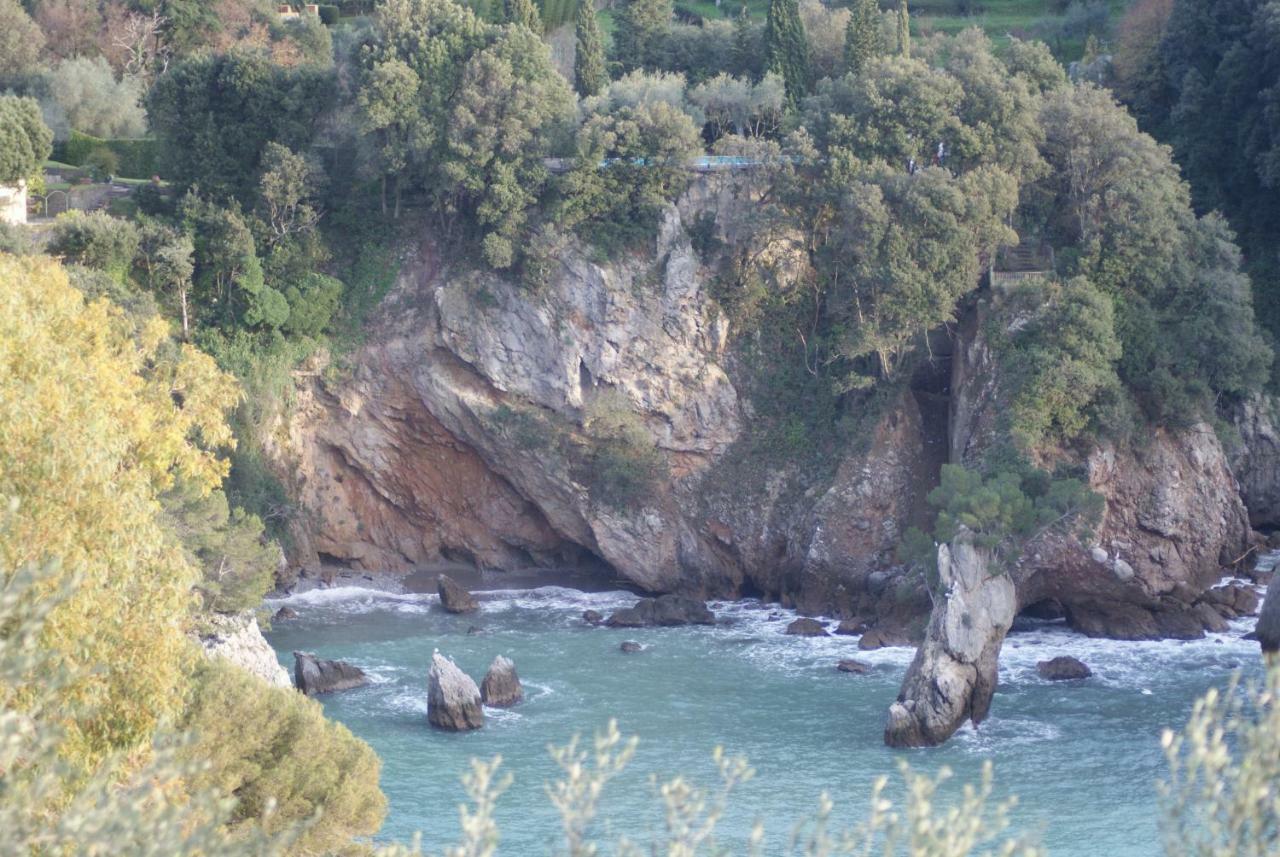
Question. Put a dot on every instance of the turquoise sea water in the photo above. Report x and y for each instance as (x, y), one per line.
(1083, 758)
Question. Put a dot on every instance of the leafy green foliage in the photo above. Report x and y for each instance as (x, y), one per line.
(98, 418)
(639, 30)
(630, 161)
(96, 240)
(268, 744)
(236, 562)
(25, 141)
(1006, 509)
(214, 116)
(1058, 349)
(95, 102)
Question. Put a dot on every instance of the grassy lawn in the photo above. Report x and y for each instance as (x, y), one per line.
(999, 19)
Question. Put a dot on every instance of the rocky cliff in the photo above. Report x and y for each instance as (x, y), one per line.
(606, 421)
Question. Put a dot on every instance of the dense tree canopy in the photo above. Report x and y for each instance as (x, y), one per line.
(25, 141)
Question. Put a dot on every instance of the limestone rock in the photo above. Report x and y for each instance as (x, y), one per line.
(238, 639)
(848, 665)
(453, 700)
(806, 627)
(663, 611)
(454, 597)
(1063, 668)
(953, 676)
(630, 647)
(501, 686)
(313, 675)
(1256, 460)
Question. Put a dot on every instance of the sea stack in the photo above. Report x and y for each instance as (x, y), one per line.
(953, 676)
(1268, 629)
(453, 700)
(454, 597)
(501, 686)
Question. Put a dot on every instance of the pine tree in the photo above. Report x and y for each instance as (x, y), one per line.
(904, 29)
(640, 25)
(862, 39)
(589, 75)
(522, 12)
(786, 50)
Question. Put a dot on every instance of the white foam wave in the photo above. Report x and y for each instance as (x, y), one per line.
(343, 594)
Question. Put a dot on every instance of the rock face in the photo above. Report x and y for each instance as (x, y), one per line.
(1063, 668)
(1256, 460)
(806, 627)
(453, 700)
(313, 675)
(953, 676)
(239, 640)
(501, 687)
(1172, 518)
(453, 597)
(663, 611)
(468, 424)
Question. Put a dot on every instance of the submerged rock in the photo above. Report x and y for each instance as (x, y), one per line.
(630, 647)
(665, 611)
(453, 700)
(501, 686)
(806, 627)
(883, 638)
(284, 614)
(1063, 668)
(592, 617)
(848, 665)
(453, 597)
(313, 675)
(851, 627)
(953, 676)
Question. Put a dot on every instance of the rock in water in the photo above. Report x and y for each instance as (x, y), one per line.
(284, 614)
(953, 676)
(1268, 629)
(313, 675)
(592, 617)
(454, 597)
(851, 627)
(501, 686)
(630, 647)
(849, 665)
(807, 628)
(665, 610)
(1063, 668)
(453, 700)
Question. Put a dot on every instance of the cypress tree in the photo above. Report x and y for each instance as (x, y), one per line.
(641, 25)
(862, 36)
(904, 29)
(589, 75)
(522, 12)
(743, 49)
(786, 50)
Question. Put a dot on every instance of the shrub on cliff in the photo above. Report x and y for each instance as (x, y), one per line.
(273, 747)
(97, 417)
